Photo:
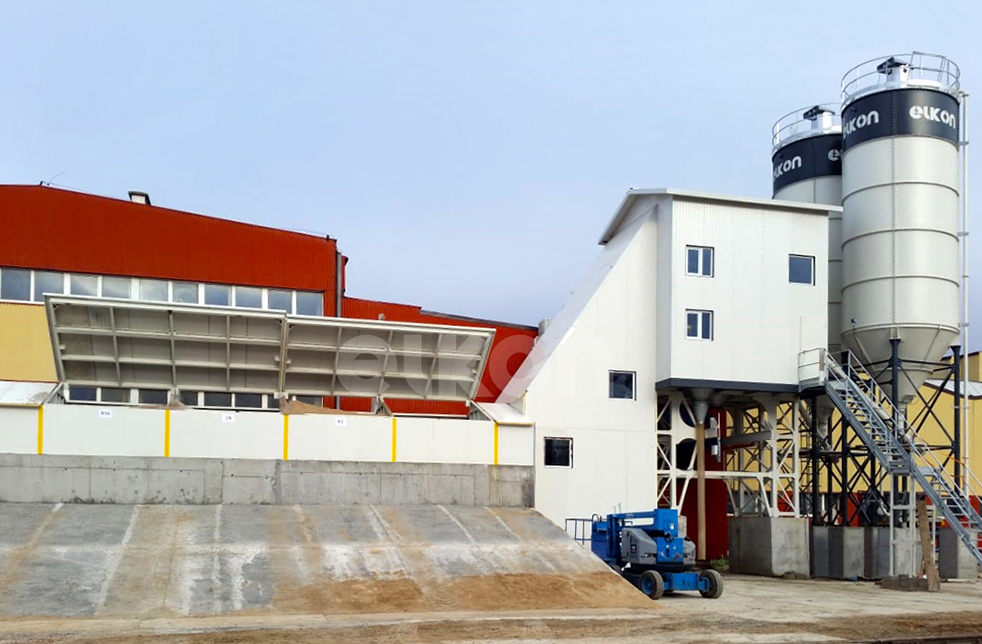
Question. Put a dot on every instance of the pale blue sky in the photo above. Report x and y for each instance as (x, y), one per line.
(466, 154)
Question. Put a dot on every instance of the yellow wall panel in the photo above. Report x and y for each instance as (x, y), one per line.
(25, 346)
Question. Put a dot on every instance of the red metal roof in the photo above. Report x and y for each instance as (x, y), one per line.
(49, 228)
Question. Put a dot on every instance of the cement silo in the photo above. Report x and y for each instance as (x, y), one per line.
(806, 167)
(900, 177)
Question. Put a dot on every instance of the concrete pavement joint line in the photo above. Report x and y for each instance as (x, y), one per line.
(392, 534)
(458, 524)
(114, 560)
(502, 523)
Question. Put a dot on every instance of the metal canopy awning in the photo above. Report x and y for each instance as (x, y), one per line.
(122, 343)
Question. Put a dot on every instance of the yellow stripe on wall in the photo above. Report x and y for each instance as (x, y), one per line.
(496, 443)
(393, 439)
(40, 429)
(166, 433)
(286, 436)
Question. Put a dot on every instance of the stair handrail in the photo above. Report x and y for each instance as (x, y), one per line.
(902, 431)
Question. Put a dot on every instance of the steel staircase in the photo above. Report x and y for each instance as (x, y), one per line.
(896, 444)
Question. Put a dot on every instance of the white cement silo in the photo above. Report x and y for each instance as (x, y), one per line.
(900, 178)
(806, 167)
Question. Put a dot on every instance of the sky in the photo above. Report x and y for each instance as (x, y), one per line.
(466, 154)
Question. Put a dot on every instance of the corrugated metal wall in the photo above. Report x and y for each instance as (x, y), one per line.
(47, 228)
(509, 349)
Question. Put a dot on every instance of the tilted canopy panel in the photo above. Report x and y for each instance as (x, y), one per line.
(122, 343)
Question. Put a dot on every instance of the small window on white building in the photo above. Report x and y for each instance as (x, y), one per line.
(82, 394)
(801, 269)
(559, 452)
(153, 396)
(622, 385)
(699, 325)
(699, 261)
(190, 398)
(114, 395)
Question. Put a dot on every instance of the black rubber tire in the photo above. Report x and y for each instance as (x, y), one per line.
(654, 583)
(715, 584)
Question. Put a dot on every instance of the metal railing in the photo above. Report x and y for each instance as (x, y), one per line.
(897, 444)
(582, 530)
(923, 70)
(804, 122)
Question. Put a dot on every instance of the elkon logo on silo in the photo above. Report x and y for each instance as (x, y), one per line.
(787, 166)
(861, 121)
(937, 114)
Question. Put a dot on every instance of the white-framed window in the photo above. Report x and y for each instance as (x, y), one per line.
(699, 260)
(621, 385)
(801, 269)
(698, 324)
(558, 452)
(27, 285)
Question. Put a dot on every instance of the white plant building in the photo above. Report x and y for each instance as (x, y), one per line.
(695, 300)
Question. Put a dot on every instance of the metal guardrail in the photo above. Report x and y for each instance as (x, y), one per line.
(801, 123)
(923, 69)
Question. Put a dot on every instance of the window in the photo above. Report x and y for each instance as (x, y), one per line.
(153, 290)
(310, 303)
(559, 452)
(801, 269)
(218, 295)
(112, 395)
(699, 261)
(189, 398)
(252, 401)
(218, 399)
(85, 285)
(281, 300)
(153, 396)
(699, 325)
(310, 400)
(116, 287)
(622, 384)
(186, 292)
(246, 296)
(47, 283)
(15, 284)
(81, 394)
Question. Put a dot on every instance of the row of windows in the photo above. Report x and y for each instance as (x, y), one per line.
(24, 285)
(699, 261)
(207, 399)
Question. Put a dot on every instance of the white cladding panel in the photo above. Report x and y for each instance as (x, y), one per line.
(825, 190)
(900, 248)
(613, 439)
(761, 320)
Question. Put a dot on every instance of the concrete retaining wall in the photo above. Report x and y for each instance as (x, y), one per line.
(152, 480)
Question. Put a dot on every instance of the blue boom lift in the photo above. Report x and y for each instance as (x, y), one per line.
(646, 549)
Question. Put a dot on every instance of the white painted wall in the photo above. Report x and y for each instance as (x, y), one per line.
(127, 431)
(217, 434)
(89, 430)
(762, 321)
(18, 429)
(613, 440)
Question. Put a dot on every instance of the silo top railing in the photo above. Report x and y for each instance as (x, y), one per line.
(931, 71)
(806, 121)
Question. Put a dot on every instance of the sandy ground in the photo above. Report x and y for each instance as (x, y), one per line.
(752, 610)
